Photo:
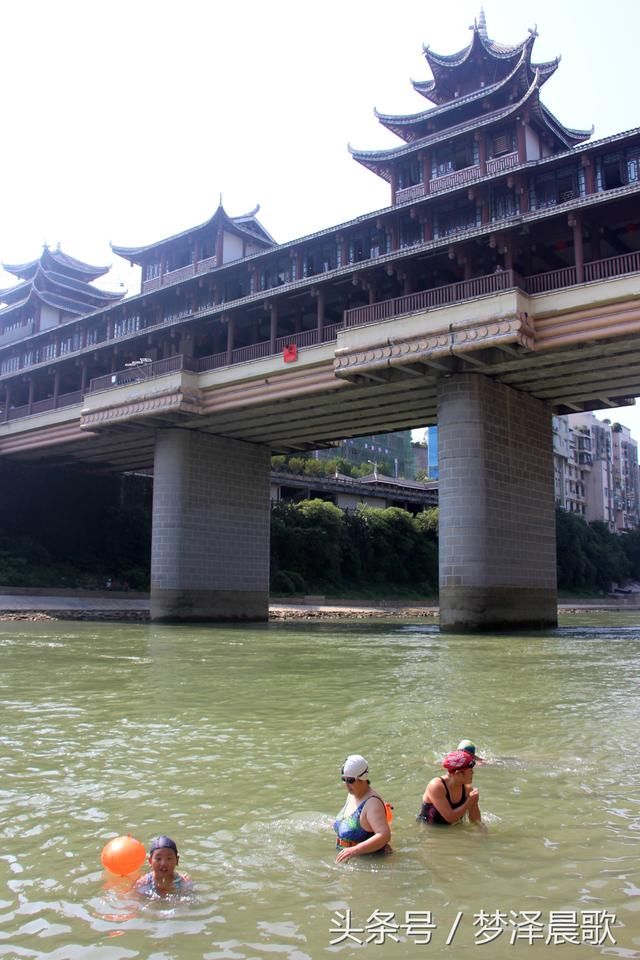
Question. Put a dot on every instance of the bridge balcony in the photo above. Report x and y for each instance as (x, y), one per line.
(506, 162)
(181, 273)
(410, 193)
(16, 333)
(164, 391)
(455, 179)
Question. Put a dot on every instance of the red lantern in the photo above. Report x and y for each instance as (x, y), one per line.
(123, 855)
(290, 352)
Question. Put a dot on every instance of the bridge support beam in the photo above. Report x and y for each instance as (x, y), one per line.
(211, 522)
(497, 515)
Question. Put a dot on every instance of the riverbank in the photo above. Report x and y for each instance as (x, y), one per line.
(109, 607)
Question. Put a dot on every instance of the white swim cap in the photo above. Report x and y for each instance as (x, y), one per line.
(355, 766)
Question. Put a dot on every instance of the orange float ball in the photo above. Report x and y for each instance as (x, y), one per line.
(123, 855)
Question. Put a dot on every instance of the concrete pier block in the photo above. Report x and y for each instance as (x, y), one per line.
(211, 527)
(497, 511)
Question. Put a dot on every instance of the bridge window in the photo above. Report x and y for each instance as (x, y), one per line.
(502, 142)
(461, 214)
(456, 156)
(151, 270)
(410, 232)
(504, 204)
(9, 364)
(618, 169)
(409, 174)
(557, 186)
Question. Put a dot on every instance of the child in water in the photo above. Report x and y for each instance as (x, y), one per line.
(163, 879)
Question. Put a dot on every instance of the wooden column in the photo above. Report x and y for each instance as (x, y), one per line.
(320, 313)
(83, 377)
(482, 154)
(273, 329)
(230, 334)
(394, 185)
(56, 387)
(575, 221)
(521, 140)
(219, 247)
(7, 401)
(508, 252)
(31, 388)
(523, 188)
(426, 170)
(589, 174)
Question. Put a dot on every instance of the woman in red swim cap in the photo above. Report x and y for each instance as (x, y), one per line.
(447, 799)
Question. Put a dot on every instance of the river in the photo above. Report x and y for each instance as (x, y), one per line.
(231, 739)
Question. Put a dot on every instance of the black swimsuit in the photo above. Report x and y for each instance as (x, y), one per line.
(430, 814)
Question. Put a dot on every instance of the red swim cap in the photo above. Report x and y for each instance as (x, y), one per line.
(458, 760)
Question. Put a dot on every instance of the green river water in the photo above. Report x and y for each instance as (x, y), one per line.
(231, 741)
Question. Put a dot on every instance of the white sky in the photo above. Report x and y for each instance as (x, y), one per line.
(124, 120)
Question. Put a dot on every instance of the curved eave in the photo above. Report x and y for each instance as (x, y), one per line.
(68, 304)
(12, 307)
(497, 51)
(403, 125)
(46, 279)
(567, 135)
(381, 160)
(24, 271)
(139, 255)
(11, 295)
(84, 271)
(442, 66)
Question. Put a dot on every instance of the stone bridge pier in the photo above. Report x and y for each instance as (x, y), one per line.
(497, 511)
(211, 523)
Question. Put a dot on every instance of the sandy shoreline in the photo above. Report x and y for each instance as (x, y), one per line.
(136, 610)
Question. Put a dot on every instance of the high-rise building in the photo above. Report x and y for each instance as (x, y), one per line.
(596, 470)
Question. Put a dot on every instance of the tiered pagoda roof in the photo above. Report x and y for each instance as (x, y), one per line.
(57, 280)
(485, 83)
(246, 226)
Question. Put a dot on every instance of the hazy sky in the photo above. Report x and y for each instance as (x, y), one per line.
(124, 120)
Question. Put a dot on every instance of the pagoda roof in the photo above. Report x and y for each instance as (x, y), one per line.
(379, 160)
(56, 260)
(49, 281)
(498, 60)
(52, 299)
(246, 225)
(404, 126)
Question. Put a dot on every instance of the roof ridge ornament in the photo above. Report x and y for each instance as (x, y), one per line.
(481, 24)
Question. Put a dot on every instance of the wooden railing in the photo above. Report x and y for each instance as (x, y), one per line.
(612, 267)
(430, 299)
(554, 280)
(454, 179)
(410, 193)
(42, 406)
(17, 333)
(257, 351)
(140, 373)
(498, 164)
(180, 273)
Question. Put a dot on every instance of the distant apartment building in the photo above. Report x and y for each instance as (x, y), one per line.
(596, 470)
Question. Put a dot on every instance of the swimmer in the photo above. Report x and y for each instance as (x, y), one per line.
(163, 879)
(447, 799)
(469, 747)
(362, 826)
